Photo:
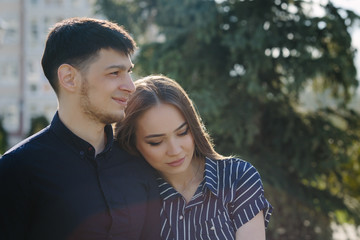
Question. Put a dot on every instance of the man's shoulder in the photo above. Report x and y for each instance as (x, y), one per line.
(119, 151)
(29, 146)
(136, 162)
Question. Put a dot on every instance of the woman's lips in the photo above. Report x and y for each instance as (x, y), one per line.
(177, 162)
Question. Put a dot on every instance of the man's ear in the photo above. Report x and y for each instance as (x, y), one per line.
(67, 77)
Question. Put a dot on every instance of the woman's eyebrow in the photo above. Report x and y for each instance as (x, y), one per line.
(181, 126)
(162, 134)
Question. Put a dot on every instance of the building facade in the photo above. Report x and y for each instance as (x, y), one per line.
(24, 91)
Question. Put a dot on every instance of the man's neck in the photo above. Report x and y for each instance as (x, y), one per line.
(85, 128)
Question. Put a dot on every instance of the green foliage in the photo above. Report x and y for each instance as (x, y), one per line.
(3, 138)
(245, 65)
(37, 124)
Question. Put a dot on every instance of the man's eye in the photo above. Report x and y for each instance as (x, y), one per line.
(115, 73)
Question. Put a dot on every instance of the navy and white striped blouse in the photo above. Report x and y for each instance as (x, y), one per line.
(230, 194)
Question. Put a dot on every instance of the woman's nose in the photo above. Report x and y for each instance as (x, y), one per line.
(174, 147)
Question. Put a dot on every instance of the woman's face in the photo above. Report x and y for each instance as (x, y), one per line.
(163, 137)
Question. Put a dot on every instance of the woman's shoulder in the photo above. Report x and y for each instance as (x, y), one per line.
(234, 163)
(234, 169)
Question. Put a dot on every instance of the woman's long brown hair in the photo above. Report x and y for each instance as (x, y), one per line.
(151, 91)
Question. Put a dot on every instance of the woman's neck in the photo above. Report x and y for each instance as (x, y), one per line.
(188, 182)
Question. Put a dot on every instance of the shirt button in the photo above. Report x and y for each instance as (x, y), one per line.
(181, 217)
(212, 228)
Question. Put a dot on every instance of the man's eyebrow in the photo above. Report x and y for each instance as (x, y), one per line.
(160, 135)
(121, 67)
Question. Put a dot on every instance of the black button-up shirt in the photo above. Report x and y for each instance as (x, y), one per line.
(52, 186)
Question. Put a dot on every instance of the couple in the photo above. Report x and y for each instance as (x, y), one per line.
(75, 180)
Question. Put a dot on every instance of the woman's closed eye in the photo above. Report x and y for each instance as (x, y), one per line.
(154, 143)
(185, 132)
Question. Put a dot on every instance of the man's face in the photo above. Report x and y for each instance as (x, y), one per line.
(106, 87)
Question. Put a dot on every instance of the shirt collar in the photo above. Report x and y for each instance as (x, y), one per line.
(77, 143)
(211, 175)
(210, 181)
(166, 190)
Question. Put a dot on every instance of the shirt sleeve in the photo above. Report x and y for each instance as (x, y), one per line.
(249, 197)
(13, 200)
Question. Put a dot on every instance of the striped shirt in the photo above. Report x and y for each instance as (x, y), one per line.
(230, 195)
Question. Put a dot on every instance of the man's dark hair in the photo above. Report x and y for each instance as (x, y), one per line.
(77, 41)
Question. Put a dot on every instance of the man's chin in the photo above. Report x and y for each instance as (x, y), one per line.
(114, 118)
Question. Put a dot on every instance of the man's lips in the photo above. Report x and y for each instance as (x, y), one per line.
(177, 162)
(121, 100)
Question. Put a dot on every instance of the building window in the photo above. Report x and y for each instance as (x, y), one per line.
(46, 24)
(54, 2)
(76, 3)
(33, 87)
(34, 30)
(9, 30)
(31, 67)
(8, 71)
(11, 118)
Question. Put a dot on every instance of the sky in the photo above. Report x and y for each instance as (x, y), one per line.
(349, 4)
(354, 6)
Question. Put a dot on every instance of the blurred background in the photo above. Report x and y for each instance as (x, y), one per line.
(275, 81)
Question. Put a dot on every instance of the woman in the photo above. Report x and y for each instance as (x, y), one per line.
(205, 195)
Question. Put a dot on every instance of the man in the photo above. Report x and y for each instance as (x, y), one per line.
(71, 181)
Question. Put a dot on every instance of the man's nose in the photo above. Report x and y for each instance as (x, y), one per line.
(128, 84)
